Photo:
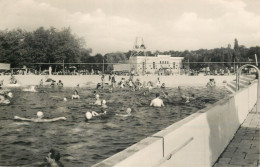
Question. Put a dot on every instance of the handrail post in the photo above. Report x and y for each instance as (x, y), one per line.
(258, 84)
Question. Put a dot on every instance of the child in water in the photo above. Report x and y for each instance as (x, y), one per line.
(75, 95)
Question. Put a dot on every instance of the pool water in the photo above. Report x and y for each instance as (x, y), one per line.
(87, 143)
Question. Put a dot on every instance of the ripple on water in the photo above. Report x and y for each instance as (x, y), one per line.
(85, 143)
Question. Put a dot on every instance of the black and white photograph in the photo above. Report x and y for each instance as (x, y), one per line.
(129, 83)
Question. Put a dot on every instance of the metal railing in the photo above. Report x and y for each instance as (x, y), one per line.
(258, 86)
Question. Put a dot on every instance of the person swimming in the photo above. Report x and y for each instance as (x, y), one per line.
(188, 98)
(31, 89)
(4, 95)
(98, 101)
(103, 105)
(91, 115)
(39, 118)
(128, 113)
(1, 84)
(60, 84)
(53, 158)
(211, 83)
(41, 83)
(149, 86)
(157, 102)
(75, 95)
(158, 82)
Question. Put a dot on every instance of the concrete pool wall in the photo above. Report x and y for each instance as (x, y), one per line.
(197, 140)
(92, 80)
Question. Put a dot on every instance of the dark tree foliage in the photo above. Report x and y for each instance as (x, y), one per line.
(19, 47)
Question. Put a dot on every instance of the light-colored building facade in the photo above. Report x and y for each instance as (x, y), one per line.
(160, 64)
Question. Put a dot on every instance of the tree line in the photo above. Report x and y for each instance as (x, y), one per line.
(19, 47)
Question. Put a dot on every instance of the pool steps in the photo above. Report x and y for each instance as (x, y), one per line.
(244, 81)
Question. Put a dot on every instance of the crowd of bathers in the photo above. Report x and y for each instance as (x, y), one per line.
(130, 84)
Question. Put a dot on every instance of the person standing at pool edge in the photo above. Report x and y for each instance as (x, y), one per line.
(157, 102)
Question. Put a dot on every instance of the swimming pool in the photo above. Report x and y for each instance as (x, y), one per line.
(86, 143)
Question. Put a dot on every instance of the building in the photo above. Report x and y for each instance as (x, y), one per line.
(122, 68)
(160, 64)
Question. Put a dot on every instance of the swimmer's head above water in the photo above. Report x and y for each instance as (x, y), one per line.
(128, 111)
(10, 94)
(40, 114)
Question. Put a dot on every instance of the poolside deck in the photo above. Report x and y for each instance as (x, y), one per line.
(244, 149)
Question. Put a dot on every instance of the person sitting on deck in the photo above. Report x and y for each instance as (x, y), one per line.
(39, 118)
(158, 82)
(157, 102)
(75, 95)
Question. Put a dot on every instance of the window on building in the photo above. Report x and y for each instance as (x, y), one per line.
(153, 65)
(173, 64)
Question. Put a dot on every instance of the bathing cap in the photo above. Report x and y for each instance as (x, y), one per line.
(65, 99)
(128, 110)
(104, 101)
(97, 95)
(40, 114)
(10, 94)
(88, 115)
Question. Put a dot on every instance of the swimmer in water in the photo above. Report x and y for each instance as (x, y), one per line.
(90, 115)
(157, 102)
(149, 86)
(1, 83)
(60, 84)
(98, 101)
(211, 83)
(53, 159)
(39, 118)
(103, 105)
(188, 98)
(41, 83)
(75, 95)
(31, 89)
(128, 113)
(110, 89)
(52, 83)
(4, 97)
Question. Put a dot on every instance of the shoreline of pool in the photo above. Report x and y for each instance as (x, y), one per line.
(93, 80)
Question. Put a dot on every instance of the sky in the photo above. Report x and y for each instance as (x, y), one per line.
(113, 25)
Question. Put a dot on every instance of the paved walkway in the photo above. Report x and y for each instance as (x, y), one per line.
(244, 149)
